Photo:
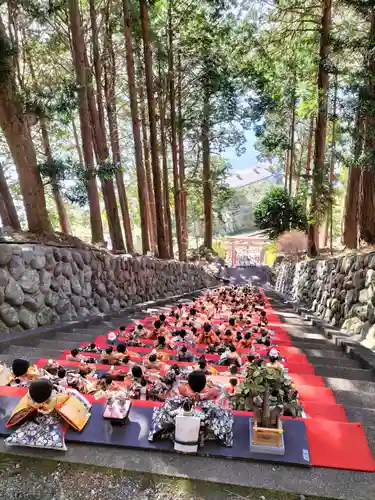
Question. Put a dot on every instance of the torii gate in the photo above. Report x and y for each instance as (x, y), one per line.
(255, 242)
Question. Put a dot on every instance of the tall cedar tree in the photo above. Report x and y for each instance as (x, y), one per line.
(110, 96)
(141, 177)
(99, 138)
(173, 121)
(16, 130)
(350, 232)
(151, 213)
(78, 52)
(162, 244)
(321, 126)
(366, 214)
(8, 212)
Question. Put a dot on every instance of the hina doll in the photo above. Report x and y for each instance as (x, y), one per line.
(162, 343)
(208, 336)
(23, 373)
(184, 355)
(214, 422)
(40, 412)
(152, 363)
(52, 367)
(5, 375)
(141, 331)
(202, 366)
(75, 356)
(162, 387)
(79, 382)
(111, 357)
(111, 338)
(227, 337)
(245, 342)
(92, 348)
(117, 407)
(274, 360)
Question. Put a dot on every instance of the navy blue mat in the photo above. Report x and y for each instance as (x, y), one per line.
(134, 434)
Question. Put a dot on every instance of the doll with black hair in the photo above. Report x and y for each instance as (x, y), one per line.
(91, 348)
(184, 355)
(214, 422)
(152, 363)
(22, 373)
(40, 411)
(75, 356)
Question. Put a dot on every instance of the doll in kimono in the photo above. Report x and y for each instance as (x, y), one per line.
(274, 360)
(23, 373)
(75, 356)
(215, 423)
(40, 412)
(91, 348)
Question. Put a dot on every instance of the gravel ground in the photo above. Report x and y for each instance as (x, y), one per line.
(31, 479)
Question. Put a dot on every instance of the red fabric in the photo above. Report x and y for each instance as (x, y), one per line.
(338, 445)
(325, 412)
(316, 394)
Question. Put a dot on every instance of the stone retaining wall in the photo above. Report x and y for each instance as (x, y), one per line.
(42, 285)
(340, 290)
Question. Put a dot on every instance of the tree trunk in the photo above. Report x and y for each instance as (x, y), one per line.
(162, 246)
(163, 140)
(292, 133)
(321, 126)
(172, 107)
(350, 232)
(181, 159)
(366, 216)
(8, 212)
(98, 129)
(309, 149)
(207, 188)
(146, 154)
(110, 95)
(59, 202)
(78, 48)
(78, 145)
(17, 135)
(141, 177)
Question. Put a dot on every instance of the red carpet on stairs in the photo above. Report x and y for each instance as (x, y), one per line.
(333, 441)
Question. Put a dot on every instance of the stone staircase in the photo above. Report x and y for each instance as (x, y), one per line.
(352, 383)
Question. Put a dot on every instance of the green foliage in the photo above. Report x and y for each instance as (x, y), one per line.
(57, 170)
(263, 381)
(278, 212)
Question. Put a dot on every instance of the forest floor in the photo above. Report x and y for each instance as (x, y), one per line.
(24, 478)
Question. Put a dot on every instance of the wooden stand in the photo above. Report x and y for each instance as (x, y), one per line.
(266, 441)
(268, 436)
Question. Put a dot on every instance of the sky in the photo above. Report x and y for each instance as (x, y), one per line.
(246, 168)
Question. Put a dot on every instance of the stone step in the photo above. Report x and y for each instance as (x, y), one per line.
(321, 345)
(74, 337)
(314, 338)
(325, 353)
(359, 399)
(348, 373)
(60, 345)
(306, 345)
(342, 384)
(329, 361)
(70, 337)
(36, 352)
(336, 363)
(365, 416)
(9, 358)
